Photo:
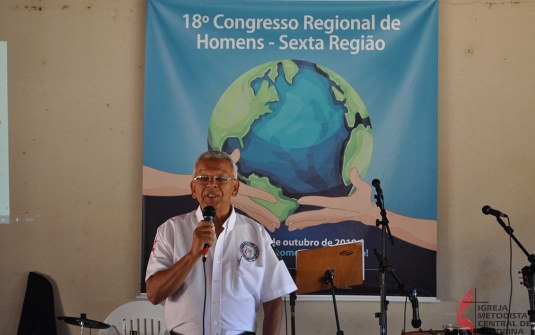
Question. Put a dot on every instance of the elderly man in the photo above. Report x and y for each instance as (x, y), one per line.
(241, 269)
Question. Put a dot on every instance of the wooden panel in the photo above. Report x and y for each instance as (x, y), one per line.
(345, 259)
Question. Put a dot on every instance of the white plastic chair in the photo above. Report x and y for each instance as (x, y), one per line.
(141, 315)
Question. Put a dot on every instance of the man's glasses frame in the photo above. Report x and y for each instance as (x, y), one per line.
(219, 180)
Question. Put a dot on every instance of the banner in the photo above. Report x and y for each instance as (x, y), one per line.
(315, 100)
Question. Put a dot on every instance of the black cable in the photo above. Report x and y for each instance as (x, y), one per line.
(510, 274)
(405, 315)
(204, 305)
(285, 315)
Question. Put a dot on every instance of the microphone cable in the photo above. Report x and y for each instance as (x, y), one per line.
(510, 273)
(285, 314)
(204, 304)
(405, 315)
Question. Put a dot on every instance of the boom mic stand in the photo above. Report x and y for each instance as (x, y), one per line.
(412, 297)
(528, 273)
(382, 270)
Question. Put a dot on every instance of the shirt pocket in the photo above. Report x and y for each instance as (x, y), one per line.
(247, 278)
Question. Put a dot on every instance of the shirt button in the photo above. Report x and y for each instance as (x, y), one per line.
(216, 302)
(215, 323)
(218, 261)
(216, 281)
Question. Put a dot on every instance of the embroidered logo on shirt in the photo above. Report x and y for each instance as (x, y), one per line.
(249, 251)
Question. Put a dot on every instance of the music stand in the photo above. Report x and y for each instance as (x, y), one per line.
(316, 268)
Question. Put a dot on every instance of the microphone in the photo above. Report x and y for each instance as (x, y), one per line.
(208, 214)
(377, 184)
(488, 210)
(416, 322)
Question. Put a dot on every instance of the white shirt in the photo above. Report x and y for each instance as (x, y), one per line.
(242, 272)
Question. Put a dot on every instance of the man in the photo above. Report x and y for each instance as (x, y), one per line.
(242, 270)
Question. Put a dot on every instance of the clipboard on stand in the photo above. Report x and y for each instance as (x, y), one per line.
(319, 269)
(345, 259)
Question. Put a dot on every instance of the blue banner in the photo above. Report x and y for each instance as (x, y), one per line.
(315, 100)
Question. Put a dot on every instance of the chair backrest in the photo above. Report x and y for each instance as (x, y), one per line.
(141, 316)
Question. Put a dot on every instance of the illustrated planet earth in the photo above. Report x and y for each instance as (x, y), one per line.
(300, 129)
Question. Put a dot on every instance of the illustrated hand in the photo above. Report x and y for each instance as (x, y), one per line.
(258, 212)
(165, 184)
(357, 207)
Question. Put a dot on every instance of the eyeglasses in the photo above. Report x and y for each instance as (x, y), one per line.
(203, 180)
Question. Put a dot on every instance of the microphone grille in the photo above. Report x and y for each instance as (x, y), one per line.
(208, 211)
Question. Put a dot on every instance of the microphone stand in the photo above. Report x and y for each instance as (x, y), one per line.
(293, 297)
(528, 273)
(329, 275)
(382, 269)
(387, 268)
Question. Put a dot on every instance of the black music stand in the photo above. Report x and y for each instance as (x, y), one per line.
(317, 268)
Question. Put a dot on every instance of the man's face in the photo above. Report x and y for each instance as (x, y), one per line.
(213, 192)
